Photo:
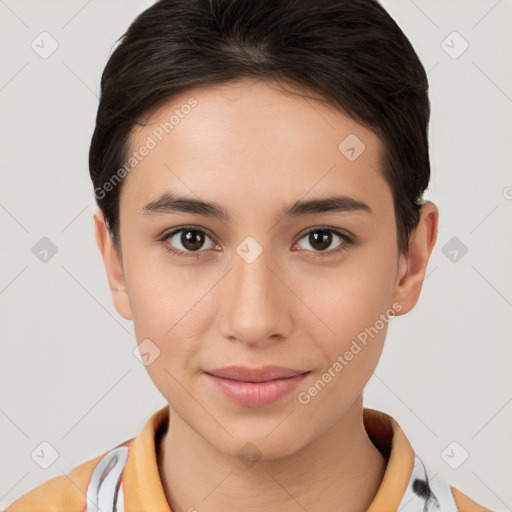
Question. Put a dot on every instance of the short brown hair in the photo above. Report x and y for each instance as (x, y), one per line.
(350, 53)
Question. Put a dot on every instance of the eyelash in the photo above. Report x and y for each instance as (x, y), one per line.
(347, 241)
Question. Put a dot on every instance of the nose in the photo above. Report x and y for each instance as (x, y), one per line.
(257, 305)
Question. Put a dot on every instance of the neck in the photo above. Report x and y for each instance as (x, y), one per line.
(341, 467)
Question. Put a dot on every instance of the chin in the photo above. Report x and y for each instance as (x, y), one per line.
(257, 445)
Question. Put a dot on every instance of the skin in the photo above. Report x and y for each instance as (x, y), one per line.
(252, 148)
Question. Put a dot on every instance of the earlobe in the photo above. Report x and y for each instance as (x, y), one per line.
(113, 266)
(413, 266)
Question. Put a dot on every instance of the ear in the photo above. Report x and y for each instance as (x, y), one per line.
(413, 265)
(113, 266)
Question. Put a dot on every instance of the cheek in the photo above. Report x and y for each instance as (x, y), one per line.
(168, 305)
(163, 313)
(353, 300)
(355, 305)
(159, 296)
(358, 313)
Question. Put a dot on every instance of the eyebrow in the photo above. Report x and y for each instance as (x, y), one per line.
(169, 203)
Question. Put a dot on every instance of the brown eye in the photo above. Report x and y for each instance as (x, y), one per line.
(192, 240)
(320, 239)
(189, 240)
(323, 239)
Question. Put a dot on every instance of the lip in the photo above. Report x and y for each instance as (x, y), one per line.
(256, 387)
(246, 374)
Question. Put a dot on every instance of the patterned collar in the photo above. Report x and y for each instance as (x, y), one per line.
(126, 479)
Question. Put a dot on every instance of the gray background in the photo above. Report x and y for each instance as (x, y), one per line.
(68, 373)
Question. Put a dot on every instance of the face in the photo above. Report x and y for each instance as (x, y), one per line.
(271, 281)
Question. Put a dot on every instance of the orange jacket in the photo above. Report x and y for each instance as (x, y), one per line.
(126, 478)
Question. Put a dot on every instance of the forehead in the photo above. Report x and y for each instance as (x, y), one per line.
(251, 137)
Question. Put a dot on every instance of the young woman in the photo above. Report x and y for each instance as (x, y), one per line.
(259, 169)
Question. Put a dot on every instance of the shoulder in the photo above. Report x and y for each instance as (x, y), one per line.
(465, 503)
(70, 492)
(427, 491)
